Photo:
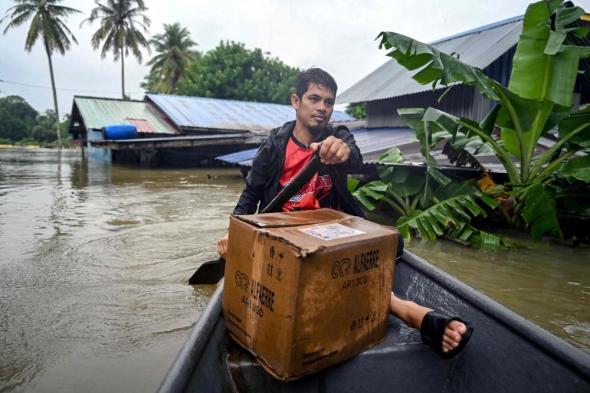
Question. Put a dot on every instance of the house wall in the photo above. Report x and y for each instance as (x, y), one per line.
(97, 153)
(464, 101)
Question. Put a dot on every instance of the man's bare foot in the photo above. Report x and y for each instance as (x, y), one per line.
(454, 332)
(446, 335)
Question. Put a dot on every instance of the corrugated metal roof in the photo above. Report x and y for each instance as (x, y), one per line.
(227, 115)
(374, 142)
(141, 125)
(100, 112)
(371, 142)
(242, 158)
(478, 47)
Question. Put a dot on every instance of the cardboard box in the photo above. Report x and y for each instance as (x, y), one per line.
(309, 289)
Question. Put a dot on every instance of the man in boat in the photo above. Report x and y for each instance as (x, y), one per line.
(285, 153)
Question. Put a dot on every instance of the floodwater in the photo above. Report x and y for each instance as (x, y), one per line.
(547, 284)
(93, 269)
(94, 261)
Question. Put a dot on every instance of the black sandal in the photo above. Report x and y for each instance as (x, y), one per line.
(432, 331)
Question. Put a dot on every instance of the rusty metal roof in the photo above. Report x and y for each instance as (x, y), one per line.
(478, 47)
(99, 112)
(227, 115)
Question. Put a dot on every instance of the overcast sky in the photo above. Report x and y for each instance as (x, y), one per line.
(337, 36)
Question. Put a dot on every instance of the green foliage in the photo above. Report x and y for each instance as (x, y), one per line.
(19, 122)
(538, 210)
(26, 142)
(43, 130)
(450, 216)
(170, 64)
(47, 23)
(231, 71)
(122, 27)
(352, 184)
(545, 64)
(538, 99)
(357, 110)
(17, 118)
(577, 169)
(428, 205)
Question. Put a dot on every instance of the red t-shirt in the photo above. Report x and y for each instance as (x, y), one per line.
(315, 190)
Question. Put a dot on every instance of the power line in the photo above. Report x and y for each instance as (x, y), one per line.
(63, 89)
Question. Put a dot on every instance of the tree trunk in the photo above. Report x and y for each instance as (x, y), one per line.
(57, 130)
(123, 73)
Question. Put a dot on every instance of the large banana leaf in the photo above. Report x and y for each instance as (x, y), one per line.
(544, 66)
(541, 85)
(574, 133)
(544, 70)
(538, 98)
(374, 190)
(450, 214)
(539, 211)
(427, 133)
(391, 156)
(481, 239)
(387, 170)
(516, 113)
(577, 169)
(453, 124)
(423, 131)
(576, 128)
(437, 66)
(413, 118)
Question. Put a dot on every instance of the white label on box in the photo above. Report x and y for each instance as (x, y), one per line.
(331, 231)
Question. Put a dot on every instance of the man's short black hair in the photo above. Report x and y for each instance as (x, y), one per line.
(315, 76)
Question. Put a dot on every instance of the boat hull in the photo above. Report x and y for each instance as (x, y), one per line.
(506, 353)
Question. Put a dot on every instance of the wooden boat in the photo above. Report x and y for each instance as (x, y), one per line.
(506, 353)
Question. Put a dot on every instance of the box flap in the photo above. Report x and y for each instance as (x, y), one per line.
(291, 219)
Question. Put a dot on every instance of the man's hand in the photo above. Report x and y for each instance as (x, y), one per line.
(222, 246)
(332, 150)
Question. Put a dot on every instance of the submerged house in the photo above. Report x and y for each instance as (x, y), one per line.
(90, 115)
(174, 130)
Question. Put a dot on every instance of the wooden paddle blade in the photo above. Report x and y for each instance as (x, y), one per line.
(208, 273)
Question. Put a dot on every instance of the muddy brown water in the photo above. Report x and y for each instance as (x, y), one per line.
(94, 261)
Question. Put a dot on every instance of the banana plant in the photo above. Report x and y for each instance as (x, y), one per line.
(537, 100)
(428, 206)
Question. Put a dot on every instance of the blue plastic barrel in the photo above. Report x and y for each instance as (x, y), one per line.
(120, 131)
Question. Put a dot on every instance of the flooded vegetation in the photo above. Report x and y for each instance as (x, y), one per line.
(93, 293)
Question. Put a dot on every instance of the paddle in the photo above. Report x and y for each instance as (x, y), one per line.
(212, 271)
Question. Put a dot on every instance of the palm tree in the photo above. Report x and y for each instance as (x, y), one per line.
(47, 23)
(173, 58)
(122, 24)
